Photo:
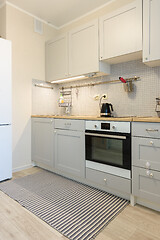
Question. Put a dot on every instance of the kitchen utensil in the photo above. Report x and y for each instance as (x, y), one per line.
(128, 86)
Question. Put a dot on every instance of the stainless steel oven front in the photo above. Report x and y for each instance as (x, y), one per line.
(108, 147)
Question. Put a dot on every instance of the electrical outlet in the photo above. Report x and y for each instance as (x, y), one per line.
(97, 97)
(105, 96)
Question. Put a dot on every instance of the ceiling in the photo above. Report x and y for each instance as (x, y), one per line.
(58, 12)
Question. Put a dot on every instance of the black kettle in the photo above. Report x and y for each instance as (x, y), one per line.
(106, 110)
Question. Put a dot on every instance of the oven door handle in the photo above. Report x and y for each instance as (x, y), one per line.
(105, 135)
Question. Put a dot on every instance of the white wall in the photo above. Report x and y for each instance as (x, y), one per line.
(28, 58)
(3, 21)
(44, 98)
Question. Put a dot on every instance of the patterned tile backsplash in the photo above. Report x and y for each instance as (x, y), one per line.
(140, 102)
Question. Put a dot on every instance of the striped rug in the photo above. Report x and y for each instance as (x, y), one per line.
(74, 209)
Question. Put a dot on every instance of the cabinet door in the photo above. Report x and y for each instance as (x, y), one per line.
(70, 152)
(146, 184)
(57, 58)
(151, 32)
(146, 152)
(121, 34)
(83, 49)
(42, 141)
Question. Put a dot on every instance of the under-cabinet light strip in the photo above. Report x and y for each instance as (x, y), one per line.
(69, 79)
(43, 86)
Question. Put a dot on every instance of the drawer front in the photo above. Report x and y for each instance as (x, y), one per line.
(146, 184)
(142, 129)
(76, 125)
(146, 153)
(108, 180)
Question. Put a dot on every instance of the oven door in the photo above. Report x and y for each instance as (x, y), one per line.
(108, 148)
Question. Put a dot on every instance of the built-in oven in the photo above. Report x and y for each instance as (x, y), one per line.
(108, 147)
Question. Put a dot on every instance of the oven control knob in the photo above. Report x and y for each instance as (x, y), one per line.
(113, 127)
(96, 126)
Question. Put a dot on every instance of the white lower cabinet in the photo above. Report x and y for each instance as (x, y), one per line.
(70, 147)
(59, 145)
(69, 152)
(110, 183)
(146, 153)
(146, 164)
(146, 184)
(42, 142)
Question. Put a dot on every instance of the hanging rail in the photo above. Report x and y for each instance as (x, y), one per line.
(98, 83)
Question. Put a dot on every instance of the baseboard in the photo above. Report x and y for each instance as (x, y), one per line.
(22, 167)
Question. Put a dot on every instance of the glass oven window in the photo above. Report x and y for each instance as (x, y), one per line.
(107, 150)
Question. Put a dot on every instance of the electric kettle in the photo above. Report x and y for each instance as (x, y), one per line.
(106, 110)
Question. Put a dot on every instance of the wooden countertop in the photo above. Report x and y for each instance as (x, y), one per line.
(146, 119)
(126, 119)
(120, 119)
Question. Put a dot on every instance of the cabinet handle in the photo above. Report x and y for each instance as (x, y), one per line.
(148, 165)
(68, 124)
(151, 130)
(151, 142)
(151, 175)
(147, 172)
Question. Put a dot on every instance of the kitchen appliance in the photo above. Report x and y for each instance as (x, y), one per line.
(157, 109)
(108, 147)
(106, 110)
(5, 111)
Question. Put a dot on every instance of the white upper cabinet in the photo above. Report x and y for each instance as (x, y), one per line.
(75, 53)
(151, 32)
(121, 34)
(83, 49)
(57, 58)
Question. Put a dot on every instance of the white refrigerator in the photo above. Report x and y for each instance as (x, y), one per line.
(5, 110)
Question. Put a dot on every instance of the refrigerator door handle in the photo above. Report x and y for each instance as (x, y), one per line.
(5, 124)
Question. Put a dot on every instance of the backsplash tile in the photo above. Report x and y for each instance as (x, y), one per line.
(140, 102)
